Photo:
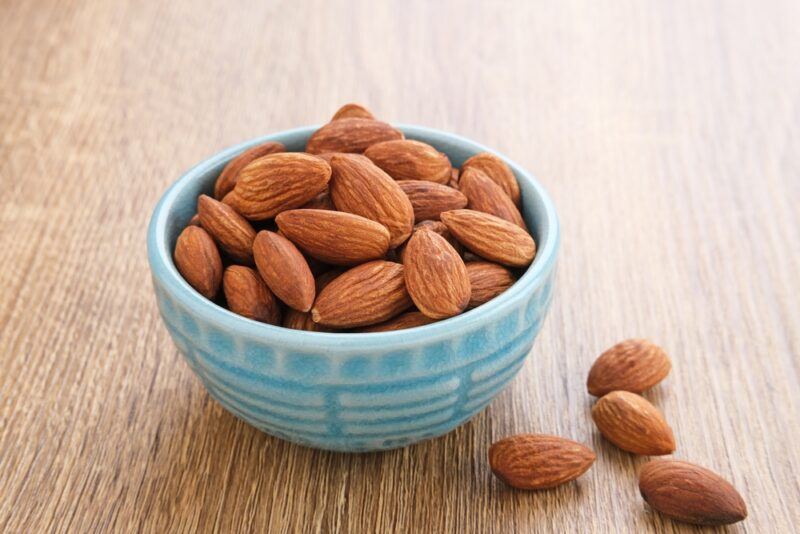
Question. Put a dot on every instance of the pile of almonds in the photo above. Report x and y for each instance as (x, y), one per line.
(366, 231)
(680, 490)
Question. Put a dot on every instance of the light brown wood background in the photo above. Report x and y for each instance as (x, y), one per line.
(668, 134)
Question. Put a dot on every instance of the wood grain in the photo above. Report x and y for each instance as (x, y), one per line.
(667, 132)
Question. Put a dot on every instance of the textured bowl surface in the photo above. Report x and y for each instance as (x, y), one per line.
(352, 392)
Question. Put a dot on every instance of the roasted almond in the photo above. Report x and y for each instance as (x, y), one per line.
(198, 261)
(227, 178)
(278, 182)
(486, 196)
(487, 281)
(631, 423)
(231, 231)
(351, 111)
(405, 159)
(436, 277)
(334, 237)
(538, 461)
(319, 202)
(359, 187)
(297, 320)
(497, 170)
(350, 135)
(248, 295)
(455, 173)
(430, 199)
(690, 493)
(491, 237)
(433, 226)
(368, 294)
(632, 365)
(401, 322)
(284, 269)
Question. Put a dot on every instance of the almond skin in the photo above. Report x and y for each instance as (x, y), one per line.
(229, 175)
(433, 226)
(248, 295)
(633, 365)
(436, 277)
(319, 202)
(297, 320)
(278, 182)
(487, 281)
(491, 237)
(486, 196)
(334, 237)
(284, 269)
(497, 170)
(690, 493)
(365, 295)
(538, 461)
(359, 187)
(198, 261)
(231, 231)
(350, 134)
(351, 111)
(633, 424)
(405, 159)
(401, 322)
(455, 173)
(429, 199)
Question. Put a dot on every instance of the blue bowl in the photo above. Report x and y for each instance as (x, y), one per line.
(352, 392)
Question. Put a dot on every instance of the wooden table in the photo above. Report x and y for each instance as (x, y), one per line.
(668, 134)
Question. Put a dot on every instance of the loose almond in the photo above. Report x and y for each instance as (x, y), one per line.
(405, 159)
(319, 202)
(497, 170)
(401, 322)
(334, 237)
(229, 175)
(248, 295)
(351, 111)
(690, 493)
(365, 295)
(284, 269)
(350, 135)
(430, 199)
(359, 187)
(633, 424)
(436, 277)
(537, 461)
(486, 196)
(491, 237)
(198, 261)
(297, 320)
(278, 182)
(487, 281)
(433, 226)
(633, 365)
(231, 231)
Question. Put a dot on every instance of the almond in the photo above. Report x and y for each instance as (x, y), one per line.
(436, 277)
(487, 281)
(455, 173)
(497, 170)
(322, 280)
(491, 237)
(486, 196)
(433, 226)
(248, 295)
(401, 322)
(633, 424)
(278, 182)
(405, 159)
(334, 237)
(231, 231)
(297, 320)
(633, 365)
(350, 135)
(350, 111)
(690, 493)
(194, 221)
(538, 461)
(284, 269)
(368, 294)
(430, 199)
(319, 202)
(198, 261)
(227, 178)
(359, 187)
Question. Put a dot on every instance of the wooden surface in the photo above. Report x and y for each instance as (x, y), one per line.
(668, 134)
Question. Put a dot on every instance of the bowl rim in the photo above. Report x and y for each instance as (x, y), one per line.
(163, 268)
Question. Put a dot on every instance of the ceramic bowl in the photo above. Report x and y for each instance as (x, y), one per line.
(352, 392)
